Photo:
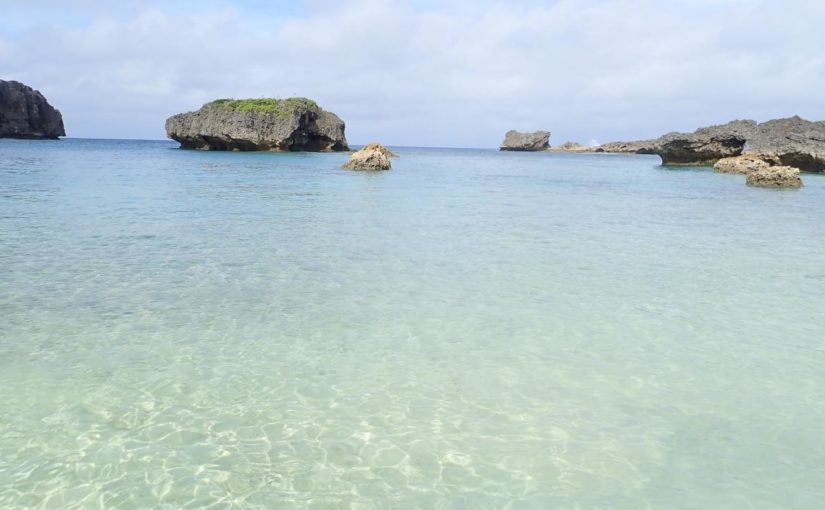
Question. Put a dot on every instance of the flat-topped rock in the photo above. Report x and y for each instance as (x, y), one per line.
(775, 177)
(571, 147)
(294, 124)
(25, 113)
(743, 164)
(636, 147)
(517, 141)
(373, 156)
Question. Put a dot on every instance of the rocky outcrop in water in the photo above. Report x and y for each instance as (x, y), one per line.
(517, 141)
(791, 142)
(744, 164)
(775, 177)
(294, 124)
(637, 147)
(372, 157)
(705, 146)
(571, 147)
(25, 113)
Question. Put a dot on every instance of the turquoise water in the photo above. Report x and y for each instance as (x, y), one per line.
(472, 329)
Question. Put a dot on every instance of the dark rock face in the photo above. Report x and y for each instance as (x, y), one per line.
(516, 141)
(707, 145)
(25, 113)
(792, 142)
(294, 124)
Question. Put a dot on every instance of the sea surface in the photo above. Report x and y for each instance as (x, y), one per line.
(469, 330)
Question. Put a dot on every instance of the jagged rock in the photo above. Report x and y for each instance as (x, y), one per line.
(378, 147)
(707, 145)
(25, 113)
(782, 142)
(637, 147)
(791, 142)
(516, 141)
(775, 177)
(295, 124)
(743, 164)
(372, 157)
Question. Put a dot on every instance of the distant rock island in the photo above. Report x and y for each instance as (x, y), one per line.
(518, 141)
(25, 113)
(293, 124)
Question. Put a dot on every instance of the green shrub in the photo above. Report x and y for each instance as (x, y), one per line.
(280, 107)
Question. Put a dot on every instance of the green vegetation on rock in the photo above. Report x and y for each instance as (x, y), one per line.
(280, 107)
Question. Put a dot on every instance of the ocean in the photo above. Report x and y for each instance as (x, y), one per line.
(472, 329)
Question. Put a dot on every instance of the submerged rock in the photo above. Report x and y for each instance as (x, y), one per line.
(516, 141)
(372, 157)
(775, 177)
(744, 164)
(295, 124)
(25, 113)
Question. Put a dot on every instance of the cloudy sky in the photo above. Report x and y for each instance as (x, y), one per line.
(430, 73)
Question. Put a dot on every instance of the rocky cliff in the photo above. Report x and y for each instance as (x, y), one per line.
(25, 113)
(793, 142)
(516, 141)
(295, 124)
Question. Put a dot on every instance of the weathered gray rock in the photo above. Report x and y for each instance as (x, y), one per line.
(295, 124)
(707, 145)
(791, 142)
(372, 157)
(25, 113)
(516, 141)
(775, 177)
(743, 164)
(637, 147)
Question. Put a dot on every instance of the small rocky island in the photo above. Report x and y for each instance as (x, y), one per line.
(372, 156)
(518, 141)
(25, 113)
(294, 124)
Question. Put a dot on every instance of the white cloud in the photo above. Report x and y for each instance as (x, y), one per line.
(408, 73)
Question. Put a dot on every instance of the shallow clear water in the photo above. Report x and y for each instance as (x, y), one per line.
(472, 329)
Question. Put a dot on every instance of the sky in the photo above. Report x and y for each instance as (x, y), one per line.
(425, 73)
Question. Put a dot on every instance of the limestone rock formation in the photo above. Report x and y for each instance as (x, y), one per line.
(743, 164)
(707, 145)
(516, 141)
(25, 113)
(380, 148)
(775, 177)
(372, 157)
(637, 147)
(782, 142)
(791, 142)
(295, 124)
